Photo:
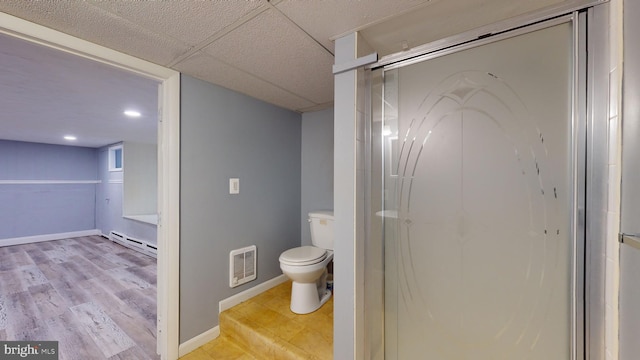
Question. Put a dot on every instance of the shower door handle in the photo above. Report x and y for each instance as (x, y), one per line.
(631, 240)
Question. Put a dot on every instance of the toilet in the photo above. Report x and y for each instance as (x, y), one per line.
(306, 266)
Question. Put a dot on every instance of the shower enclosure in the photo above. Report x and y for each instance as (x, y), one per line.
(475, 245)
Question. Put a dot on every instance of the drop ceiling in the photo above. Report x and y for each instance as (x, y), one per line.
(279, 51)
(46, 94)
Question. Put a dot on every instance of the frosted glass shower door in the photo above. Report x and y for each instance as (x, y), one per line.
(478, 201)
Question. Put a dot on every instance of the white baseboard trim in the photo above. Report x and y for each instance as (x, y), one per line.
(47, 182)
(48, 237)
(197, 341)
(249, 293)
(211, 334)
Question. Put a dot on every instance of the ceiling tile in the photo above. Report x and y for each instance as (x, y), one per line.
(267, 57)
(80, 19)
(326, 19)
(207, 68)
(444, 19)
(272, 48)
(188, 21)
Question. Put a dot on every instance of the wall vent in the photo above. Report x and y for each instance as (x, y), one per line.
(242, 266)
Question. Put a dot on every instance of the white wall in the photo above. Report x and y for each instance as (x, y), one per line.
(109, 197)
(349, 199)
(140, 186)
(344, 203)
(630, 257)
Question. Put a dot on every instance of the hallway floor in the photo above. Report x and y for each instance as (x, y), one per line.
(264, 328)
(95, 297)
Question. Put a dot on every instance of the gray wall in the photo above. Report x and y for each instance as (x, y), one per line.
(225, 135)
(41, 209)
(109, 204)
(630, 257)
(317, 166)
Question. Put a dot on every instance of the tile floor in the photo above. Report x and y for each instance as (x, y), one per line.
(264, 328)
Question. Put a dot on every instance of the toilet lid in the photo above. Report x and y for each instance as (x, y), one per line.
(304, 255)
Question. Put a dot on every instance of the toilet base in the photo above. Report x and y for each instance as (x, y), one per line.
(325, 297)
(305, 298)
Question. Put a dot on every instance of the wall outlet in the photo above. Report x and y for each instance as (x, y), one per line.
(234, 186)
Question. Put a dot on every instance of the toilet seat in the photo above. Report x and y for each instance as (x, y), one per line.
(304, 255)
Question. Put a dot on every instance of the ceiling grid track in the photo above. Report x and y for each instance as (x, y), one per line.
(264, 80)
(272, 50)
(218, 35)
(275, 8)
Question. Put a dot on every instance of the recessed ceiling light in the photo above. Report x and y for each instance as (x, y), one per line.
(70, 137)
(132, 113)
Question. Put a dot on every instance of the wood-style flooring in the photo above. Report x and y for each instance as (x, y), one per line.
(93, 296)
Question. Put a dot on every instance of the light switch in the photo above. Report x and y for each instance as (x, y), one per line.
(234, 186)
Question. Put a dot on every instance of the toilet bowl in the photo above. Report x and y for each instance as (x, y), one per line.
(306, 266)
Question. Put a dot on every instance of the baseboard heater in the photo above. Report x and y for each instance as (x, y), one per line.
(136, 244)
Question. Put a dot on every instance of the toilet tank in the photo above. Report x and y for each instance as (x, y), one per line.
(321, 223)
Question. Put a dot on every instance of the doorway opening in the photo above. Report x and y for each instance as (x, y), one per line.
(168, 159)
